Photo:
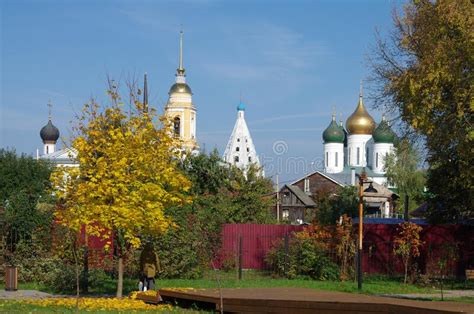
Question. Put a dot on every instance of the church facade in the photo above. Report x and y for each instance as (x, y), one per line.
(361, 145)
(180, 108)
(240, 150)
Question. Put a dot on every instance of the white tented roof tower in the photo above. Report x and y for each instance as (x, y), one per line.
(240, 150)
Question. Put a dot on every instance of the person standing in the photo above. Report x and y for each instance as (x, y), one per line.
(150, 266)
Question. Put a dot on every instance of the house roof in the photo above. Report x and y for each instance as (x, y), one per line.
(63, 156)
(303, 197)
(320, 173)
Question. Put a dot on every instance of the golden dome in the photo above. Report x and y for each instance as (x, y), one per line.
(360, 121)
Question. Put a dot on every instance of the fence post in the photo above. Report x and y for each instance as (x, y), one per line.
(240, 257)
(287, 244)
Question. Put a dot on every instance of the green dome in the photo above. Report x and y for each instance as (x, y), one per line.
(333, 133)
(383, 133)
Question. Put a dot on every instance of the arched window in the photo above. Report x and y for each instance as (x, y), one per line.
(177, 126)
(237, 149)
(236, 158)
(358, 155)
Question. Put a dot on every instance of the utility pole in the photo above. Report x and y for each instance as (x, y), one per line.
(278, 199)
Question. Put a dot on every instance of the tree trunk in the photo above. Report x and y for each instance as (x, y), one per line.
(406, 271)
(120, 277)
(76, 262)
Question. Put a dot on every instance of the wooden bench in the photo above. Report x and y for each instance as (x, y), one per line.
(469, 275)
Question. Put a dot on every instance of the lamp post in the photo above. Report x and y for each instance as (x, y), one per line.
(362, 180)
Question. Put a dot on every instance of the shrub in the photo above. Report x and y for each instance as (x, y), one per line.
(61, 279)
(229, 262)
(178, 254)
(307, 257)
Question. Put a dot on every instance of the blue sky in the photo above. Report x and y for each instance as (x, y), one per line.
(292, 60)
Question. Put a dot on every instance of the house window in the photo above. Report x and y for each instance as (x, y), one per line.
(376, 160)
(47, 149)
(250, 159)
(248, 149)
(236, 158)
(358, 155)
(238, 140)
(306, 185)
(367, 155)
(337, 157)
(327, 160)
(285, 214)
(237, 149)
(176, 126)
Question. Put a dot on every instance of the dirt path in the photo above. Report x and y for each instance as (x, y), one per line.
(447, 294)
(24, 294)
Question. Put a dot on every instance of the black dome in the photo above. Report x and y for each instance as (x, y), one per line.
(49, 133)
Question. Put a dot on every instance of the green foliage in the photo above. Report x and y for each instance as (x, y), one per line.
(179, 254)
(22, 174)
(221, 194)
(331, 207)
(402, 171)
(305, 259)
(425, 75)
(24, 186)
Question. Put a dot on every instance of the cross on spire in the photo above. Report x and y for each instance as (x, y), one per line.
(181, 67)
(49, 109)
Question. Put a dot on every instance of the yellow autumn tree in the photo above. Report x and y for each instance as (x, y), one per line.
(127, 176)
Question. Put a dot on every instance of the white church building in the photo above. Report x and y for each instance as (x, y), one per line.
(360, 145)
(240, 150)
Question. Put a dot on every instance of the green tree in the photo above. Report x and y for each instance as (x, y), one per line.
(220, 194)
(249, 197)
(402, 171)
(24, 195)
(332, 206)
(425, 72)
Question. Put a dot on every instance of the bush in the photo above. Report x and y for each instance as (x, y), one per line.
(307, 258)
(178, 254)
(61, 279)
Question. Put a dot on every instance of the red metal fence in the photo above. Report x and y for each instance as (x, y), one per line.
(256, 242)
(378, 257)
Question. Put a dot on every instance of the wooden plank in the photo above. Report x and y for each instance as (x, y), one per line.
(300, 300)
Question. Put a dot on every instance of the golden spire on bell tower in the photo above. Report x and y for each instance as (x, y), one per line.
(180, 69)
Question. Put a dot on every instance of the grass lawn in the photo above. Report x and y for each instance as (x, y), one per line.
(252, 279)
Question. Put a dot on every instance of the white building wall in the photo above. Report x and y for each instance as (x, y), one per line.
(358, 143)
(240, 149)
(333, 157)
(381, 150)
(49, 148)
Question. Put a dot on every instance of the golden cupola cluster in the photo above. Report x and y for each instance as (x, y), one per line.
(360, 121)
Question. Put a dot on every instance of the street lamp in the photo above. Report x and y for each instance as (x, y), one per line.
(370, 189)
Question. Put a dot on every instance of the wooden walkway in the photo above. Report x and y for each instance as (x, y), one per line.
(300, 300)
